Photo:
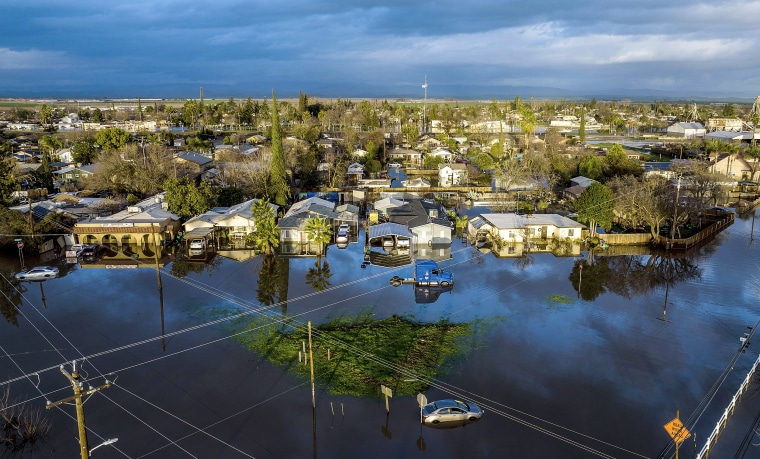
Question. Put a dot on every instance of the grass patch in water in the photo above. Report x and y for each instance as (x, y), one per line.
(364, 353)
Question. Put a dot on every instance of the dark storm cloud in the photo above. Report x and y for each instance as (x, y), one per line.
(340, 47)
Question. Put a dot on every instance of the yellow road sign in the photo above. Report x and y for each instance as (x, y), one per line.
(677, 431)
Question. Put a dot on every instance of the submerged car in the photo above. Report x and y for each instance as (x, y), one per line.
(450, 411)
(341, 237)
(40, 272)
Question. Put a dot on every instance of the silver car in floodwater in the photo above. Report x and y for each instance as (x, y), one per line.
(450, 411)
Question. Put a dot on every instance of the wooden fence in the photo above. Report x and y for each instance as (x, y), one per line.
(706, 233)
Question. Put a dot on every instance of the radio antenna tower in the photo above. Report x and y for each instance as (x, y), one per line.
(754, 118)
(424, 107)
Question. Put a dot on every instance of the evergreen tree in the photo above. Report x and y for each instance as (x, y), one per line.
(278, 188)
(185, 199)
(582, 129)
(595, 206)
(8, 183)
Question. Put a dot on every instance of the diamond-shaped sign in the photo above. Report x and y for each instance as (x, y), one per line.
(677, 431)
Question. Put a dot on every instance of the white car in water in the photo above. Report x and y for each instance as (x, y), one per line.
(38, 273)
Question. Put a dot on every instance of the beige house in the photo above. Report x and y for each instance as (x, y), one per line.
(513, 235)
(235, 221)
(407, 156)
(133, 232)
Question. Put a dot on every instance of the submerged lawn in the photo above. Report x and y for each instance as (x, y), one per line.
(363, 353)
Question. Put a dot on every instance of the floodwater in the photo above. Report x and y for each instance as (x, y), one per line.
(568, 362)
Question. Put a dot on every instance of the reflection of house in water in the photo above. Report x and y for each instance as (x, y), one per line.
(133, 232)
(391, 245)
(429, 293)
(513, 235)
(125, 259)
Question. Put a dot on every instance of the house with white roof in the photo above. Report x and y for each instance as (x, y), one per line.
(513, 235)
(687, 130)
(443, 153)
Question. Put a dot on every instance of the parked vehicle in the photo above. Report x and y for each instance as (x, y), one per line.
(341, 237)
(394, 166)
(426, 272)
(197, 244)
(40, 272)
(450, 411)
(91, 250)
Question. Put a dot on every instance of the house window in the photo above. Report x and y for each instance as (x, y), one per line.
(511, 234)
(570, 232)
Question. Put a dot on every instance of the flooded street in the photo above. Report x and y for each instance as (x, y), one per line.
(567, 361)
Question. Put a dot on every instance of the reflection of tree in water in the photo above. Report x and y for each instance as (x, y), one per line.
(589, 279)
(318, 276)
(524, 261)
(272, 285)
(635, 275)
(11, 290)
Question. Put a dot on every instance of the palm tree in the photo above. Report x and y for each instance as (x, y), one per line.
(319, 231)
(266, 236)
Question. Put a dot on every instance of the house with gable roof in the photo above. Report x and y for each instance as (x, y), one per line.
(232, 223)
(454, 174)
(687, 130)
(294, 240)
(514, 235)
(426, 219)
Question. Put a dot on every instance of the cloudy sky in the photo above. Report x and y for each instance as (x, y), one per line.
(359, 48)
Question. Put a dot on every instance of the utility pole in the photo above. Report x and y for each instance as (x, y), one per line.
(675, 214)
(311, 363)
(424, 107)
(77, 385)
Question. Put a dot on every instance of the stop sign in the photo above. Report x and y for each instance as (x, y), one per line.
(20, 245)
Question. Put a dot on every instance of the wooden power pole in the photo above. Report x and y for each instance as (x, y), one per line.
(77, 385)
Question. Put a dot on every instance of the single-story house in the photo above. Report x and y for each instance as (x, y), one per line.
(237, 221)
(443, 153)
(427, 220)
(135, 230)
(293, 237)
(70, 174)
(513, 234)
(197, 162)
(417, 182)
(355, 172)
(407, 156)
(687, 130)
